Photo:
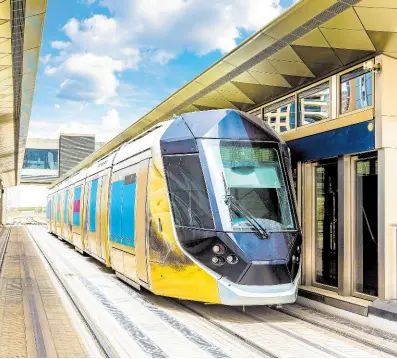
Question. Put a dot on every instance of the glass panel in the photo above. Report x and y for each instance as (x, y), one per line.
(282, 118)
(366, 273)
(356, 90)
(41, 159)
(254, 177)
(188, 191)
(326, 224)
(314, 107)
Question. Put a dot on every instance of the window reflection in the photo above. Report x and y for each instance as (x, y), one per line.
(314, 105)
(281, 115)
(41, 159)
(356, 90)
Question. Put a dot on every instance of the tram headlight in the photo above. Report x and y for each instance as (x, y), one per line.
(218, 260)
(232, 259)
(218, 249)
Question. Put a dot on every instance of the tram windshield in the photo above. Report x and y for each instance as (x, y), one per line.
(250, 174)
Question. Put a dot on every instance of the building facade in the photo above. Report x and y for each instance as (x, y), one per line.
(47, 159)
(342, 135)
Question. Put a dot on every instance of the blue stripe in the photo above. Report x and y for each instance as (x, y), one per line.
(76, 215)
(65, 208)
(116, 197)
(127, 219)
(94, 190)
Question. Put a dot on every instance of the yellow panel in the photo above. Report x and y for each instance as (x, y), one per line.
(5, 30)
(378, 3)
(5, 10)
(286, 54)
(30, 59)
(384, 41)
(214, 103)
(264, 66)
(270, 79)
(293, 19)
(5, 47)
(6, 82)
(33, 28)
(292, 68)
(250, 49)
(8, 91)
(34, 7)
(346, 20)
(215, 73)
(378, 19)
(348, 39)
(188, 91)
(6, 60)
(6, 74)
(188, 109)
(313, 38)
(235, 96)
(245, 77)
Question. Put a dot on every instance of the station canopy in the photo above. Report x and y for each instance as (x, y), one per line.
(21, 24)
(311, 40)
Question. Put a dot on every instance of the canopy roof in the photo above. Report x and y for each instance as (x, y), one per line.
(309, 41)
(21, 24)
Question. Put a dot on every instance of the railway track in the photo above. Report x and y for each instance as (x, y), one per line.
(262, 319)
(103, 344)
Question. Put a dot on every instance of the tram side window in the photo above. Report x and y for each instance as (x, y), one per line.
(355, 90)
(188, 191)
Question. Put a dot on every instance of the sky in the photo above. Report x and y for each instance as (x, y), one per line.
(106, 63)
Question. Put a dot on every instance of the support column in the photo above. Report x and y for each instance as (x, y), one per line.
(344, 227)
(3, 206)
(387, 223)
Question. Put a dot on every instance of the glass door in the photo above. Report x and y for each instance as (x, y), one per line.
(366, 227)
(326, 225)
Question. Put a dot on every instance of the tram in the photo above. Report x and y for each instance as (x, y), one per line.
(200, 208)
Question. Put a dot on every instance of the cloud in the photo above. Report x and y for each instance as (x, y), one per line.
(89, 78)
(76, 121)
(199, 26)
(101, 48)
(57, 106)
(60, 45)
(45, 59)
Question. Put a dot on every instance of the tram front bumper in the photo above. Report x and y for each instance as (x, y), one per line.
(236, 294)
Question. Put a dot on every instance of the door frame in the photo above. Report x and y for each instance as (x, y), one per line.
(353, 216)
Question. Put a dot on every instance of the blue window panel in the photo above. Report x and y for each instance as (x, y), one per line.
(94, 190)
(65, 207)
(59, 208)
(127, 218)
(116, 197)
(76, 206)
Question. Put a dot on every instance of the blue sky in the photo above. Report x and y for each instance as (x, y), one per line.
(105, 63)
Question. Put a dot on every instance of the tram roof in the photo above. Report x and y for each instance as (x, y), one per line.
(21, 24)
(311, 40)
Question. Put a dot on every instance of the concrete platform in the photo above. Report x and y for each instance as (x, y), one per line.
(139, 324)
(36, 319)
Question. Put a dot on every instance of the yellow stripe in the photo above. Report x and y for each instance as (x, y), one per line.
(329, 125)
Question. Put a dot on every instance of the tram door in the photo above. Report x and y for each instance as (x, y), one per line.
(141, 228)
(127, 222)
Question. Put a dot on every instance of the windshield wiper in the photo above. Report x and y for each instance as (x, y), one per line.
(242, 211)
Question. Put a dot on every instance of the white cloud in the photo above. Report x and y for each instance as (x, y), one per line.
(199, 26)
(111, 121)
(57, 106)
(102, 47)
(45, 59)
(60, 45)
